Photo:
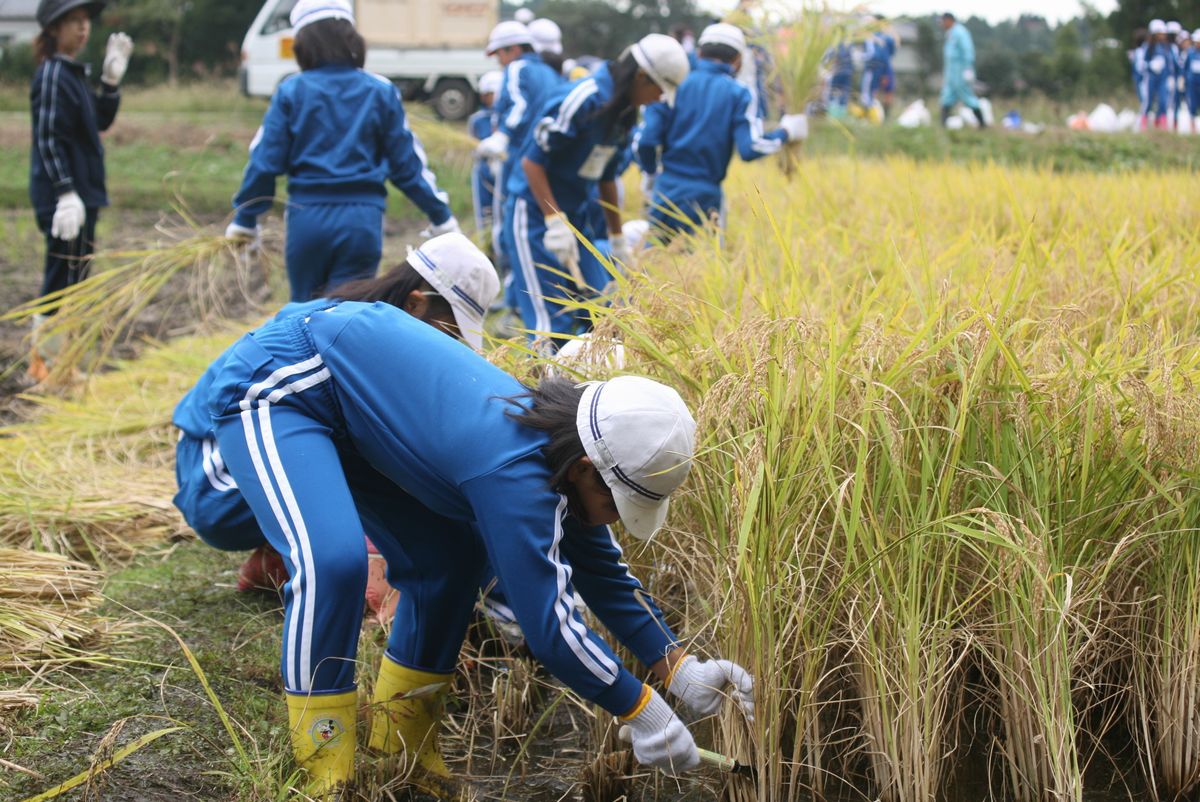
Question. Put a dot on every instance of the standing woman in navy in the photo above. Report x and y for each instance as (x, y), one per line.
(66, 172)
(576, 147)
(339, 134)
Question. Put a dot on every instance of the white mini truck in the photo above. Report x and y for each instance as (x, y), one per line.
(431, 49)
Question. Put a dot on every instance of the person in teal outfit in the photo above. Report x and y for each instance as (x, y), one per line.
(958, 69)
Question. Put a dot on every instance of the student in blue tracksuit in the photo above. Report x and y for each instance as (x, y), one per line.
(338, 133)
(841, 80)
(66, 165)
(1191, 76)
(481, 125)
(687, 147)
(1137, 64)
(878, 75)
(527, 84)
(576, 145)
(483, 468)
(1160, 71)
(1183, 46)
(445, 283)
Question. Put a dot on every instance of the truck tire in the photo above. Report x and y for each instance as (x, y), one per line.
(453, 99)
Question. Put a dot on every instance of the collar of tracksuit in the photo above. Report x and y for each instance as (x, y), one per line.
(708, 65)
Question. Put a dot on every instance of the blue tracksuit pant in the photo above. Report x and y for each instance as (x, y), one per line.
(331, 243)
(209, 498)
(697, 201)
(540, 283)
(308, 511)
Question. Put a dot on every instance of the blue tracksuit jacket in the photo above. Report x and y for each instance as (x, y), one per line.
(338, 133)
(528, 83)
(877, 66)
(1191, 77)
(67, 120)
(842, 74)
(481, 124)
(431, 417)
(578, 147)
(690, 145)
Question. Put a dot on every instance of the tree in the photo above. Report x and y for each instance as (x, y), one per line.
(606, 28)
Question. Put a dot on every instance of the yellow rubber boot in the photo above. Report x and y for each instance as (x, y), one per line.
(323, 738)
(405, 713)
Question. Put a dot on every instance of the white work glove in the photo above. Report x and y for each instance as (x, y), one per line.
(451, 226)
(494, 147)
(560, 240)
(660, 739)
(795, 125)
(116, 58)
(69, 215)
(968, 75)
(251, 238)
(648, 186)
(701, 685)
(621, 250)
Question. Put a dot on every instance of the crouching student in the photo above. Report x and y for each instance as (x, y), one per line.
(339, 134)
(577, 144)
(446, 283)
(687, 147)
(482, 469)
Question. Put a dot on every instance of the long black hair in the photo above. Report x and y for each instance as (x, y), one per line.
(45, 45)
(551, 407)
(329, 41)
(391, 288)
(619, 113)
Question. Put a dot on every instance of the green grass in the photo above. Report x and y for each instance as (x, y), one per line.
(234, 636)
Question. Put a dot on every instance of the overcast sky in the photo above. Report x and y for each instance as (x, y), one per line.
(992, 11)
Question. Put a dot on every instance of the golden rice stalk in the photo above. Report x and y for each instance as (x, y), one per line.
(47, 604)
(199, 272)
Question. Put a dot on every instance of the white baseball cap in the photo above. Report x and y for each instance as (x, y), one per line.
(1196, 35)
(640, 437)
(664, 60)
(524, 15)
(1185, 34)
(1174, 26)
(722, 33)
(1157, 26)
(461, 274)
(507, 34)
(306, 12)
(547, 36)
(489, 82)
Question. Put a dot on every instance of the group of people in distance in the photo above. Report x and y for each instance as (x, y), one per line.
(872, 53)
(1165, 62)
(552, 150)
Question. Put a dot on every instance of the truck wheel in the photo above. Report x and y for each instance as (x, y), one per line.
(453, 99)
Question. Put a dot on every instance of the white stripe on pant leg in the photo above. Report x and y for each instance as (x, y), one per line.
(310, 574)
(215, 479)
(528, 269)
(278, 376)
(264, 480)
(219, 464)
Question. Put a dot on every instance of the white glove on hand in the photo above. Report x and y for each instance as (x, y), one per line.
(116, 58)
(648, 186)
(251, 238)
(493, 148)
(969, 75)
(795, 126)
(700, 685)
(660, 739)
(69, 215)
(560, 241)
(621, 250)
(451, 226)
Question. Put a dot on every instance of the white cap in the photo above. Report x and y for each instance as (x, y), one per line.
(547, 36)
(1157, 26)
(1184, 34)
(507, 34)
(306, 12)
(640, 436)
(722, 33)
(664, 60)
(524, 16)
(1174, 26)
(461, 274)
(1196, 35)
(489, 82)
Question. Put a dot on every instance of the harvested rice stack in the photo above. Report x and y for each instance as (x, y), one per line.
(47, 604)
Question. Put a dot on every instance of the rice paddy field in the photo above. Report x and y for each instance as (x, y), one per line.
(945, 505)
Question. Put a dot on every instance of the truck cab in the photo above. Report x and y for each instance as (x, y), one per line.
(431, 49)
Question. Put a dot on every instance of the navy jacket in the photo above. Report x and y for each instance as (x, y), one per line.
(67, 120)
